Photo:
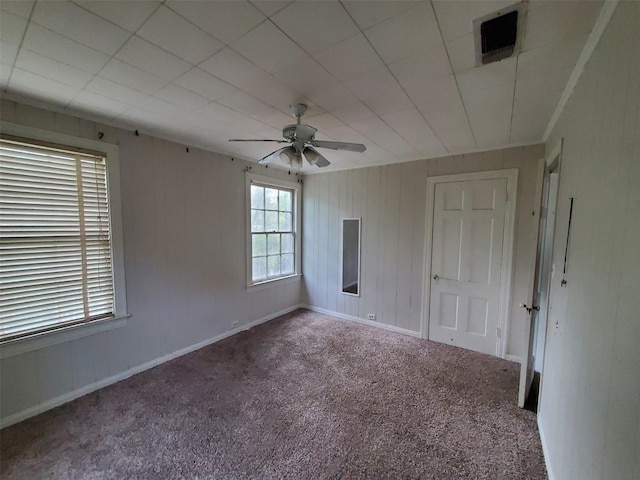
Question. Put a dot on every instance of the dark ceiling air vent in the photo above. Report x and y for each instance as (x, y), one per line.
(498, 36)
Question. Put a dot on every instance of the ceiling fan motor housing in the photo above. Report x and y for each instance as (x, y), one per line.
(289, 132)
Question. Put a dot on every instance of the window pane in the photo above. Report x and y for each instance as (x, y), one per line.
(274, 265)
(259, 245)
(257, 220)
(271, 221)
(257, 197)
(287, 264)
(259, 271)
(273, 244)
(287, 243)
(285, 201)
(284, 221)
(270, 199)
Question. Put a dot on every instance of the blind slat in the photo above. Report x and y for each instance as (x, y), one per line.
(55, 252)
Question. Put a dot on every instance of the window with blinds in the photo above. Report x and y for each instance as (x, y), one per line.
(55, 242)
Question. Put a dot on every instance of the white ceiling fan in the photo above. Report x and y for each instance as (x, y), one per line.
(302, 140)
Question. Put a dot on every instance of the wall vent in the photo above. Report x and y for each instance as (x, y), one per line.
(499, 35)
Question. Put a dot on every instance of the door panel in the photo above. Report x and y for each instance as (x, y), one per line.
(468, 231)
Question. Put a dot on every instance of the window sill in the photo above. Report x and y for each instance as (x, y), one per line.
(47, 339)
(276, 281)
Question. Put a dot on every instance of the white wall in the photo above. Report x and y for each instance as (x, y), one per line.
(184, 237)
(391, 200)
(590, 404)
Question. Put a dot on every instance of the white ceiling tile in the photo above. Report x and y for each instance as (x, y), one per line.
(172, 32)
(419, 32)
(306, 76)
(323, 121)
(227, 21)
(333, 97)
(41, 88)
(202, 83)
(528, 127)
(355, 112)
(528, 85)
(181, 96)
(46, 67)
(117, 91)
(152, 59)
(396, 145)
(367, 14)
(21, 8)
(8, 54)
(243, 103)
(268, 47)
(390, 101)
(131, 77)
(78, 24)
(350, 58)
(370, 126)
(414, 129)
(233, 68)
(50, 44)
(541, 105)
(162, 108)
(315, 26)
(553, 57)
(486, 77)
(373, 83)
(12, 28)
(426, 65)
(269, 7)
(125, 13)
(560, 21)
(274, 92)
(462, 53)
(274, 118)
(97, 105)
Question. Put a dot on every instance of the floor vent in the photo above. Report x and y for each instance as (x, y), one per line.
(499, 35)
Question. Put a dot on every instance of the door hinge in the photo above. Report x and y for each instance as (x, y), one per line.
(498, 332)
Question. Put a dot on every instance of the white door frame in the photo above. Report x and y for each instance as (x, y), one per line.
(511, 175)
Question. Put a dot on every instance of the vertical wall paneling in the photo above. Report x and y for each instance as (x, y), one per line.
(391, 200)
(590, 399)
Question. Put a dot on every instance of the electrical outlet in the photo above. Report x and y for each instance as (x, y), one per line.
(234, 324)
(371, 316)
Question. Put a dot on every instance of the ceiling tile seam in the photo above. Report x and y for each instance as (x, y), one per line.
(24, 34)
(164, 3)
(399, 85)
(513, 97)
(455, 76)
(113, 57)
(381, 21)
(608, 8)
(253, 2)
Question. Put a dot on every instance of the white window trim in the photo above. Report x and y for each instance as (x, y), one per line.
(64, 334)
(297, 225)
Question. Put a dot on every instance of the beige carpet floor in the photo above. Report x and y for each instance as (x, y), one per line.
(303, 396)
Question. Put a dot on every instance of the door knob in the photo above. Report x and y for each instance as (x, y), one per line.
(436, 277)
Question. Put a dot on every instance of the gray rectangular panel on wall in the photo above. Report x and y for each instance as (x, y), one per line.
(351, 256)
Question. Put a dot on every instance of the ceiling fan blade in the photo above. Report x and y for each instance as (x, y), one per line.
(351, 147)
(271, 156)
(255, 140)
(314, 158)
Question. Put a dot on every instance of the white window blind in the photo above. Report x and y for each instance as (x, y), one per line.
(55, 245)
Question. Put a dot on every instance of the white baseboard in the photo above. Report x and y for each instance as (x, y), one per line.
(545, 451)
(513, 358)
(344, 316)
(67, 397)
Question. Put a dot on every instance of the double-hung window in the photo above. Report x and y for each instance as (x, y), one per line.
(56, 261)
(273, 241)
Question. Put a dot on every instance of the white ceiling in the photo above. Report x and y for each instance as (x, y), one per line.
(398, 76)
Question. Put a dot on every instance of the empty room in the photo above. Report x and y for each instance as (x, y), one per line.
(320, 239)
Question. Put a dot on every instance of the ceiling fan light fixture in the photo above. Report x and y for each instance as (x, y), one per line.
(288, 155)
(311, 155)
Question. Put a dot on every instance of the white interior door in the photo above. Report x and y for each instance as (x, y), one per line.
(466, 263)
